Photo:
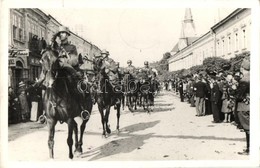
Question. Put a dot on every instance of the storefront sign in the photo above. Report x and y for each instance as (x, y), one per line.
(12, 62)
(17, 52)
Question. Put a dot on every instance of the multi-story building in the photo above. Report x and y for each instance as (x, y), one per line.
(30, 31)
(225, 39)
(27, 33)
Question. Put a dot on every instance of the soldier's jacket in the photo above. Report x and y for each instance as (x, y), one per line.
(73, 54)
(130, 69)
(148, 72)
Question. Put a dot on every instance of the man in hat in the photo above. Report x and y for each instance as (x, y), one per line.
(147, 70)
(215, 98)
(68, 55)
(130, 69)
(69, 59)
(181, 89)
(200, 89)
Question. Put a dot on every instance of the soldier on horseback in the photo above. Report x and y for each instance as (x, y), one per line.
(130, 68)
(147, 71)
(111, 69)
(69, 60)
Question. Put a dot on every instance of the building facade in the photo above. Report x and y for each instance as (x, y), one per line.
(225, 39)
(31, 30)
(27, 33)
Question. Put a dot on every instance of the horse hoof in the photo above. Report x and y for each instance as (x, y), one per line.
(77, 154)
(104, 136)
(117, 131)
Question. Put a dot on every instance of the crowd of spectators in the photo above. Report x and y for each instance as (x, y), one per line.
(24, 104)
(223, 94)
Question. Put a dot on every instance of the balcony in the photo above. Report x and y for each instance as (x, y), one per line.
(36, 45)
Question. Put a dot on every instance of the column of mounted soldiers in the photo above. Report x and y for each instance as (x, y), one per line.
(75, 63)
(78, 65)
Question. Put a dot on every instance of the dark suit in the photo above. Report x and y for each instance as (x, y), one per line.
(200, 89)
(181, 91)
(214, 98)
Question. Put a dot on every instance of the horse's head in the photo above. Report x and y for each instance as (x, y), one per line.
(48, 60)
(98, 64)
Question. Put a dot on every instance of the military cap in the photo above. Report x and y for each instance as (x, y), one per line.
(146, 63)
(129, 61)
(64, 29)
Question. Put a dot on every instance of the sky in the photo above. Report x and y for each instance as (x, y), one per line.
(138, 34)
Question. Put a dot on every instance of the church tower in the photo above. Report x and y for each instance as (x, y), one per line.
(188, 31)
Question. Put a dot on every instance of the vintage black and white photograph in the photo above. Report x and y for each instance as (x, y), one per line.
(130, 84)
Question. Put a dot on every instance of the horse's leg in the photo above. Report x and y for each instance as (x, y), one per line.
(51, 127)
(118, 117)
(71, 125)
(123, 102)
(129, 103)
(107, 118)
(135, 101)
(101, 111)
(75, 129)
(80, 143)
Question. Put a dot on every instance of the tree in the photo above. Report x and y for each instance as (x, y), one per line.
(237, 61)
(215, 64)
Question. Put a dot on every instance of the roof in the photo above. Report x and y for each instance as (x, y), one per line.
(234, 13)
(191, 39)
(175, 48)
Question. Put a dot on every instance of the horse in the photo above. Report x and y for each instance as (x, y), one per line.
(131, 88)
(109, 93)
(146, 91)
(61, 103)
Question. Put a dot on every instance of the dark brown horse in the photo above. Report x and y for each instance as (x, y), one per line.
(61, 101)
(109, 94)
(131, 89)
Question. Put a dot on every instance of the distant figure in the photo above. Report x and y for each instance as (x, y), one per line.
(13, 107)
(23, 102)
(214, 98)
(44, 44)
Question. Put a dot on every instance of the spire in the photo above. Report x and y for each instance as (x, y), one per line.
(182, 31)
(188, 15)
(188, 26)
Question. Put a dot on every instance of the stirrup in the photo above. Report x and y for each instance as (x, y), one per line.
(85, 115)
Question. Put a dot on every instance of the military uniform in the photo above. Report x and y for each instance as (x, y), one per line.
(130, 69)
(69, 60)
(243, 102)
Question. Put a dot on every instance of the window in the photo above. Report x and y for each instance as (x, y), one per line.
(236, 42)
(25, 74)
(218, 49)
(18, 27)
(223, 47)
(244, 39)
(229, 44)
